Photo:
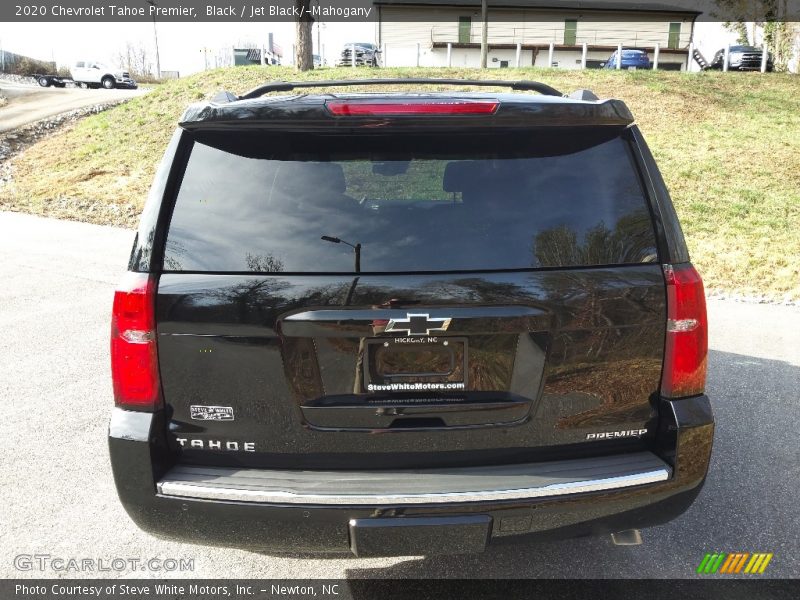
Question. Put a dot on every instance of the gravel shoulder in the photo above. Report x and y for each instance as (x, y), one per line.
(28, 104)
(62, 109)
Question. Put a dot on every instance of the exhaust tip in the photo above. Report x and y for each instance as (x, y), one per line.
(629, 537)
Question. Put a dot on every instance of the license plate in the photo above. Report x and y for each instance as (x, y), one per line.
(415, 364)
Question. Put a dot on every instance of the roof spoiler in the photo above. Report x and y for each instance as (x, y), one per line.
(287, 86)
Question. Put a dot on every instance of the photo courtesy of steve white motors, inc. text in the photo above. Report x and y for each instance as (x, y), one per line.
(171, 590)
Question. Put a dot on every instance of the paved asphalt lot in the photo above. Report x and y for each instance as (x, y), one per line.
(27, 103)
(57, 495)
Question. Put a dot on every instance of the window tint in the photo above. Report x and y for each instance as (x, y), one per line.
(414, 204)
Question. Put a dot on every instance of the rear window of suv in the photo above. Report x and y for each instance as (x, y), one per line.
(258, 202)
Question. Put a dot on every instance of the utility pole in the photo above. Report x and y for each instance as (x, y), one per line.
(484, 34)
(155, 35)
(319, 39)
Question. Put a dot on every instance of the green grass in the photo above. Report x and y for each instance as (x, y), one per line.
(727, 144)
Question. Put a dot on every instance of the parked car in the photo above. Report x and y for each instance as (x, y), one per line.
(367, 55)
(742, 58)
(317, 61)
(404, 324)
(94, 74)
(631, 59)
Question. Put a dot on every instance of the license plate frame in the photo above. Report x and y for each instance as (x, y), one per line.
(454, 378)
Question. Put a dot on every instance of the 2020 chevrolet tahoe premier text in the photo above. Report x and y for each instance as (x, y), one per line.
(407, 323)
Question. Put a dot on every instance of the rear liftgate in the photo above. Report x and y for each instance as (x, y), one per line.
(408, 374)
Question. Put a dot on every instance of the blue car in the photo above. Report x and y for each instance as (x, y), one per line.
(631, 59)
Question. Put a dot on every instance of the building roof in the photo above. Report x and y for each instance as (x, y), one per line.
(602, 5)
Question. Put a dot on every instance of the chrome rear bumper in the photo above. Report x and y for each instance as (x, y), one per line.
(421, 486)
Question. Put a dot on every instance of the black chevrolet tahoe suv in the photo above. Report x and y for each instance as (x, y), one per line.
(407, 324)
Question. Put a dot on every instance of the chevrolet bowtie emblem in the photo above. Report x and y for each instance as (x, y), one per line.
(417, 324)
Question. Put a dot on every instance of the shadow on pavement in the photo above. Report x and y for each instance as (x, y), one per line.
(748, 503)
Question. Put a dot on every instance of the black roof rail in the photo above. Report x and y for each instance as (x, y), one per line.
(286, 86)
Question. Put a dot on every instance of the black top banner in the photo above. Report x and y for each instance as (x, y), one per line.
(362, 11)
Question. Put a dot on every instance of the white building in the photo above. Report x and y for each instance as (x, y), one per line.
(442, 32)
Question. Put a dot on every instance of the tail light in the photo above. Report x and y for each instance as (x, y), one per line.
(356, 108)
(134, 359)
(687, 333)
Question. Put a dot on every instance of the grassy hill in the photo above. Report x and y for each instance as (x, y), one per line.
(728, 145)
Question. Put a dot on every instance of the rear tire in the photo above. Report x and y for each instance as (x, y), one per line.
(43, 81)
(108, 83)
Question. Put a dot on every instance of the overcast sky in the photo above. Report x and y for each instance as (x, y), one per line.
(181, 44)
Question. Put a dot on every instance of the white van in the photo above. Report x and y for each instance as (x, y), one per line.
(95, 74)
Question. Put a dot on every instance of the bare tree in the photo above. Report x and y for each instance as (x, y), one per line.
(263, 263)
(771, 17)
(304, 56)
(780, 34)
(135, 59)
(736, 14)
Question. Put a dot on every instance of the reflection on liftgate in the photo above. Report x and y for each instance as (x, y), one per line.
(408, 323)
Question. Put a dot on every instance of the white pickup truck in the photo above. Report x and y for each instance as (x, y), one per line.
(90, 74)
(94, 74)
